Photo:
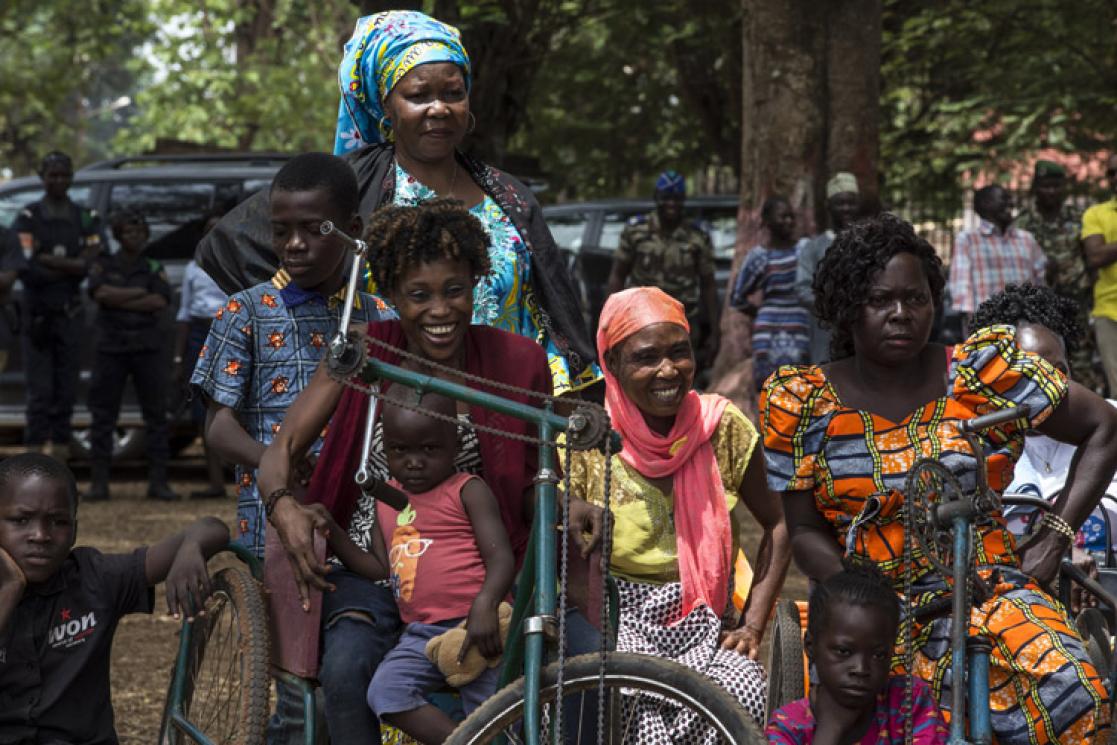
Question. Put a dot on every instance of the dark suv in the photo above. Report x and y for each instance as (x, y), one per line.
(590, 232)
(176, 193)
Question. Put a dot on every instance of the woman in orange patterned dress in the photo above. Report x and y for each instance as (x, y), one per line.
(841, 438)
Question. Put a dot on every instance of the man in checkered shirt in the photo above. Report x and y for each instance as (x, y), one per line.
(994, 255)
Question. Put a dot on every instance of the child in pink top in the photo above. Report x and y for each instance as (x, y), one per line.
(853, 620)
(448, 557)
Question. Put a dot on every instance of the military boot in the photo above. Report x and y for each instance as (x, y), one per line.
(98, 483)
(157, 486)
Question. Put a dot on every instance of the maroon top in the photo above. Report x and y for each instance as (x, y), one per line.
(508, 466)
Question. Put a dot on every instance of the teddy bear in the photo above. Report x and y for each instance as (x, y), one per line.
(443, 651)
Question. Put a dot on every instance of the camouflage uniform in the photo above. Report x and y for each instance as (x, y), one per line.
(675, 263)
(1068, 275)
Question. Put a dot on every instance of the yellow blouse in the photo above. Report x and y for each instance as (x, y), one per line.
(643, 516)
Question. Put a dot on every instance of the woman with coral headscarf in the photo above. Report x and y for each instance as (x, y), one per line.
(683, 488)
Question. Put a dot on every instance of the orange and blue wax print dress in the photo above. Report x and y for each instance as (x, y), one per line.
(1043, 688)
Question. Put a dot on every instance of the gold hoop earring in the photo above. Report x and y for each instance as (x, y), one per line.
(472, 123)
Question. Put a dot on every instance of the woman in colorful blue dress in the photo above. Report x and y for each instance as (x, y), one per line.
(781, 328)
(405, 82)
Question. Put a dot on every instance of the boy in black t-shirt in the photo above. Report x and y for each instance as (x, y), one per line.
(59, 606)
(132, 291)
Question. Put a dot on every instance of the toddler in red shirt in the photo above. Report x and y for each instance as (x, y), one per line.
(448, 557)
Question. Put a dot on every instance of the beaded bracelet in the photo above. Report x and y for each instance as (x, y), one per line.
(275, 496)
(1058, 524)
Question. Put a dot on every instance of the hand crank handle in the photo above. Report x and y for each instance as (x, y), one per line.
(358, 246)
(978, 424)
(339, 346)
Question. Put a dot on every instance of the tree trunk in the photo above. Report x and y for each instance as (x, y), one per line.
(810, 107)
(255, 25)
(853, 93)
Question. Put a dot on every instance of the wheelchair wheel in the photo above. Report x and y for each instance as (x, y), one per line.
(1095, 636)
(785, 658)
(225, 688)
(683, 700)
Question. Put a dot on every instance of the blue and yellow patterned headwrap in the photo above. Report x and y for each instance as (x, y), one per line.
(385, 47)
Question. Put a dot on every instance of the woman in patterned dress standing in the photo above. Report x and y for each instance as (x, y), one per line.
(841, 438)
(781, 332)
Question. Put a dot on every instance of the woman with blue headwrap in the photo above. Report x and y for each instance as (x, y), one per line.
(405, 81)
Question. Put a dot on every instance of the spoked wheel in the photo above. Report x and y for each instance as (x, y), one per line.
(226, 683)
(785, 658)
(647, 699)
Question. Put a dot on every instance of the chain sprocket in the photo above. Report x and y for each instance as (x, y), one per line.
(929, 485)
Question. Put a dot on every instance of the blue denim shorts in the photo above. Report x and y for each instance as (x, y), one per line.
(406, 676)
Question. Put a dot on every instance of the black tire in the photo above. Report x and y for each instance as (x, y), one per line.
(785, 658)
(1094, 631)
(502, 715)
(227, 683)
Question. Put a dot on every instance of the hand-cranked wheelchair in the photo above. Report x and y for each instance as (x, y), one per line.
(939, 519)
(220, 684)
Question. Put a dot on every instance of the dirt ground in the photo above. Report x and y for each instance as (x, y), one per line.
(145, 645)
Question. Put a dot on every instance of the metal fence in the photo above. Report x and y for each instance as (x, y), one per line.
(940, 220)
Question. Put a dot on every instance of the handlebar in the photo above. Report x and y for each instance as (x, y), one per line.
(981, 423)
(1026, 500)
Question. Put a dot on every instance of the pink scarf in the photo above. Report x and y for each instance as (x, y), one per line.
(703, 538)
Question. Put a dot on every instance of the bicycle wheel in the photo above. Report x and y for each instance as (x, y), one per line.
(225, 696)
(785, 658)
(688, 705)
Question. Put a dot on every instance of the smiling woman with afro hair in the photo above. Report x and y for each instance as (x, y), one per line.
(403, 237)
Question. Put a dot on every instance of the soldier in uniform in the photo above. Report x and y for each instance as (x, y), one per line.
(132, 292)
(58, 238)
(1056, 225)
(663, 250)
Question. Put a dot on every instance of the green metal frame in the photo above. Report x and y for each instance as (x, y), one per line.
(539, 591)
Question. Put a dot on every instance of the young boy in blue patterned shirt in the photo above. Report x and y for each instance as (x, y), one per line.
(266, 342)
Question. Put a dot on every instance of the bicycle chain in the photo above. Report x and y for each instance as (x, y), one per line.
(564, 545)
(453, 372)
(909, 622)
(356, 384)
(959, 676)
(606, 598)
